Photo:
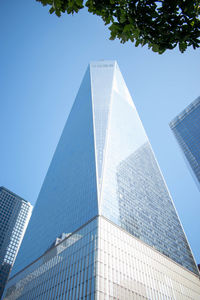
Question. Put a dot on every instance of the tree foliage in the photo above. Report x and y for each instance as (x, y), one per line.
(160, 24)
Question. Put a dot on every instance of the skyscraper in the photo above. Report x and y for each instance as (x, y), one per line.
(15, 213)
(105, 199)
(186, 128)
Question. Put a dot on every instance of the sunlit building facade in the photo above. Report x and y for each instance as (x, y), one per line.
(15, 213)
(119, 234)
(186, 128)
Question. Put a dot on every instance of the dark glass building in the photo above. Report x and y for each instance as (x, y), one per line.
(104, 225)
(186, 128)
(15, 213)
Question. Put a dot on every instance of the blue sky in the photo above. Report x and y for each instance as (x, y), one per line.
(42, 62)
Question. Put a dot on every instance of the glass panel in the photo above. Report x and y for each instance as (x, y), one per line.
(44, 274)
(68, 198)
(134, 194)
(186, 127)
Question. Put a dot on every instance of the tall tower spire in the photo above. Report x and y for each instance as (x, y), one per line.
(104, 193)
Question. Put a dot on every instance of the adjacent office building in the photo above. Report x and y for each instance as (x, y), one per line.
(104, 225)
(15, 213)
(186, 128)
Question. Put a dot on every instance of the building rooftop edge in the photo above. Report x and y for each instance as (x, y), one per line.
(102, 61)
(7, 190)
(184, 113)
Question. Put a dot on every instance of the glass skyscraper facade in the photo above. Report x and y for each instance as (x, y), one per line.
(186, 128)
(15, 213)
(104, 191)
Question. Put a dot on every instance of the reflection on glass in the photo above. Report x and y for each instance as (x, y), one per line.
(145, 208)
(134, 194)
(67, 270)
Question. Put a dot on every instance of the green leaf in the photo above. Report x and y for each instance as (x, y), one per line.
(52, 10)
(123, 17)
(137, 43)
(155, 48)
(182, 46)
(79, 2)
